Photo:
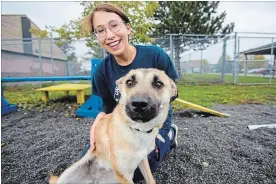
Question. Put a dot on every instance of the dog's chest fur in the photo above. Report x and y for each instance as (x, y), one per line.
(143, 144)
(128, 157)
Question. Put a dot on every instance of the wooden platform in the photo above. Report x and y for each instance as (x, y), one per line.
(79, 88)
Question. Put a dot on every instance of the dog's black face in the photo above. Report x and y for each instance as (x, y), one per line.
(142, 108)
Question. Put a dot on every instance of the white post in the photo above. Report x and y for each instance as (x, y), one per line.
(234, 66)
(271, 62)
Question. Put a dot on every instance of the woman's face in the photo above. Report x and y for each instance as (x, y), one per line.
(116, 41)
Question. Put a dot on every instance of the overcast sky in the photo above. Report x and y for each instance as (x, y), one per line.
(247, 16)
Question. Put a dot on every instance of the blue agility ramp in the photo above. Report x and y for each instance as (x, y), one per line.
(92, 106)
(6, 107)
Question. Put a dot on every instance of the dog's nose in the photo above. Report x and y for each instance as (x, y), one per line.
(139, 104)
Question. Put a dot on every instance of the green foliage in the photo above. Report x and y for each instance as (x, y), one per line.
(39, 33)
(257, 64)
(228, 65)
(190, 17)
(252, 64)
(140, 14)
(63, 41)
(259, 57)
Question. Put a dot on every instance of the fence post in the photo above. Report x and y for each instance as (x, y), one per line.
(234, 65)
(52, 59)
(40, 60)
(190, 70)
(238, 61)
(272, 62)
(201, 68)
(223, 60)
(171, 48)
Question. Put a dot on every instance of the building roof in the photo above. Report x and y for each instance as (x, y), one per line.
(262, 50)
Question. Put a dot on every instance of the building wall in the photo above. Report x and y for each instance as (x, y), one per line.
(11, 28)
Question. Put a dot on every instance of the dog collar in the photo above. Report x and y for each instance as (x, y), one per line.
(149, 131)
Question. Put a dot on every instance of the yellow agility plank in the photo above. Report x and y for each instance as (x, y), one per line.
(66, 87)
(198, 107)
(79, 88)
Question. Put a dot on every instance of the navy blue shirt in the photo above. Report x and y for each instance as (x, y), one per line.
(108, 71)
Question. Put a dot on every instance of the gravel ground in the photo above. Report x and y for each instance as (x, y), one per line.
(211, 149)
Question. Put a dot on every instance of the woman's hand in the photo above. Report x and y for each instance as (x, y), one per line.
(92, 129)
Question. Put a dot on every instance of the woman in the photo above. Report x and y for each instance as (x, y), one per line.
(112, 29)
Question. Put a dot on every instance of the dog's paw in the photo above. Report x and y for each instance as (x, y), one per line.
(53, 179)
(152, 181)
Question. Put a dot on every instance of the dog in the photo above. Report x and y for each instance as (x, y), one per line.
(124, 138)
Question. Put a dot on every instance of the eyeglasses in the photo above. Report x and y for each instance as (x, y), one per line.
(114, 26)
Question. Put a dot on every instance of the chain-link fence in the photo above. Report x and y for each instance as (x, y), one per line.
(199, 58)
(45, 57)
(236, 58)
(255, 59)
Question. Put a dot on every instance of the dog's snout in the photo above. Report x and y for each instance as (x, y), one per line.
(142, 108)
(139, 104)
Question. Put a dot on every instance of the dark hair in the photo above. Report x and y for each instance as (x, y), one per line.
(107, 7)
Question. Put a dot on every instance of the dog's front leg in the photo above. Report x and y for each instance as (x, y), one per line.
(145, 169)
(122, 178)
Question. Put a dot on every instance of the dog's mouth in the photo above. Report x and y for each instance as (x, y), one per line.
(142, 109)
(140, 119)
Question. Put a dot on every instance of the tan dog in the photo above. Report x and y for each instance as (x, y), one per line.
(124, 138)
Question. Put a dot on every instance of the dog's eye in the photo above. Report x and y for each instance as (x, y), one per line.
(129, 83)
(158, 84)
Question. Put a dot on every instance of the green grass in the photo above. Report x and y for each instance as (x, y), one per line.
(216, 78)
(205, 95)
(26, 97)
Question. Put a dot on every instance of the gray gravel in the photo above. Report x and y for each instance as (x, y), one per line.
(211, 149)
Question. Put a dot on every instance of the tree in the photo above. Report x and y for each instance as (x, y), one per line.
(186, 17)
(227, 67)
(259, 57)
(205, 65)
(252, 64)
(140, 14)
(63, 40)
(257, 63)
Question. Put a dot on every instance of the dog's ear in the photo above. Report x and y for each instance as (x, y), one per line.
(174, 91)
(119, 82)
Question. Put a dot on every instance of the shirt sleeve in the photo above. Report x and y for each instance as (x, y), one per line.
(165, 64)
(100, 88)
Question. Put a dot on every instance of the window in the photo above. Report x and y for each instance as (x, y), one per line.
(27, 44)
